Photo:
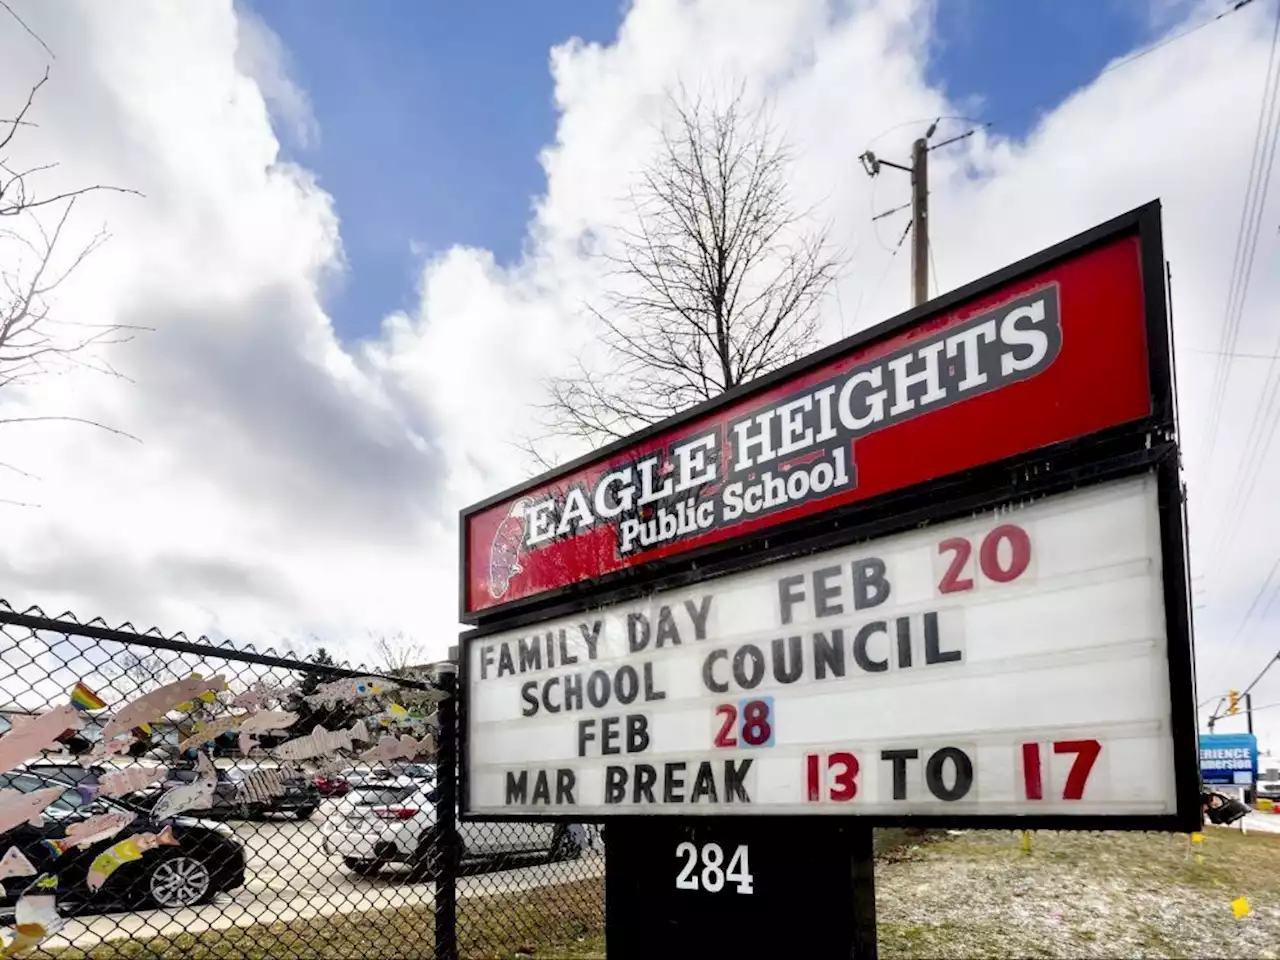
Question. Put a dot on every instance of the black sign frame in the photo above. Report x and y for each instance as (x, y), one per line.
(1148, 445)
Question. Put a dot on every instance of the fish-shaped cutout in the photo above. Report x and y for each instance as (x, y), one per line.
(17, 807)
(14, 863)
(391, 748)
(35, 916)
(504, 551)
(257, 696)
(125, 851)
(261, 722)
(360, 731)
(31, 735)
(260, 786)
(98, 827)
(189, 796)
(153, 706)
(26, 937)
(349, 688)
(119, 783)
(318, 743)
(107, 748)
(206, 732)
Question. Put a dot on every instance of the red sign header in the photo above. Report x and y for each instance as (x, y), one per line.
(1055, 353)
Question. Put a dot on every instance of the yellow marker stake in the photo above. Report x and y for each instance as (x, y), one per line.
(1026, 841)
(1197, 838)
(1240, 907)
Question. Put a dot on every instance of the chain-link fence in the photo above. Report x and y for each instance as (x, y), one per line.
(161, 797)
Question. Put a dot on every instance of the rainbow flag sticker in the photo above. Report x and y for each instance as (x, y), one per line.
(82, 698)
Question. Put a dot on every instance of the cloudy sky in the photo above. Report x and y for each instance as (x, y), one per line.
(358, 249)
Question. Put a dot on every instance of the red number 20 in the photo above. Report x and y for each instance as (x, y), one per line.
(988, 558)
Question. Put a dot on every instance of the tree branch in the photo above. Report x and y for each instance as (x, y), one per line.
(713, 282)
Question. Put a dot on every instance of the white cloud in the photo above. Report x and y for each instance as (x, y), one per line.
(288, 486)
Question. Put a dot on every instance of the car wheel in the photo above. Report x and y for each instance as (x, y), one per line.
(564, 846)
(365, 868)
(304, 813)
(426, 863)
(180, 880)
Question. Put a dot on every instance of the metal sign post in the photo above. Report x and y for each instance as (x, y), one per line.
(923, 578)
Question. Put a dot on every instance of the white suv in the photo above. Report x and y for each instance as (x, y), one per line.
(380, 824)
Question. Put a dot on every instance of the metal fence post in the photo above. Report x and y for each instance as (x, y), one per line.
(446, 914)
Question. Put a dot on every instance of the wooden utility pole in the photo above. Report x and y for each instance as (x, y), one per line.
(920, 220)
(919, 225)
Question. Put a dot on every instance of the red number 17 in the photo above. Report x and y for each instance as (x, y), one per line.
(1086, 752)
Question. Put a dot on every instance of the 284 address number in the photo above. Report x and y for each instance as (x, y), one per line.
(715, 874)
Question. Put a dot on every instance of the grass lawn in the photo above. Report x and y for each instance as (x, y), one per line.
(565, 920)
(1081, 895)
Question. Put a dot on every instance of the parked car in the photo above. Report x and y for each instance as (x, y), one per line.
(301, 798)
(1269, 785)
(332, 785)
(402, 774)
(376, 825)
(207, 860)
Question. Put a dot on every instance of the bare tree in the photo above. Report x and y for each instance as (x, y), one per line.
(34, 342)
(397, 654)
(716, 280)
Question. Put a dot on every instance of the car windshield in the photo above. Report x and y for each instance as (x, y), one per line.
(380, 796)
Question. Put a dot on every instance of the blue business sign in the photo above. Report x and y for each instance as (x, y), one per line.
(1229, 758)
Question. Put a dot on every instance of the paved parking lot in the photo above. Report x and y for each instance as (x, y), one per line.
(290, 877)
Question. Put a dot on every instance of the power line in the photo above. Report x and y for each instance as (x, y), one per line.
(1257, 598)
(1246, 242)
(1125, 61)
(1266, 416)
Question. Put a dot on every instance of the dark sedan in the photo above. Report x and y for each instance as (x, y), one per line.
(232, 800)
(207, 859)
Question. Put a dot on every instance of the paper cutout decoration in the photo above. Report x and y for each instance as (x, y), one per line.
(205, 732)
(317, 743)
(127, 850)
(98, 827)
(152, 706)
(82, 698)
(15, 864)
(261, 786)
(17, 807)
(262, 722)
(360, 731)
(1240, 907)
(391, 748)
(257, 696)
(35, 916)
(107, 748)
(30, 735)
(188, 796)
(349, 688)
(119, 783)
